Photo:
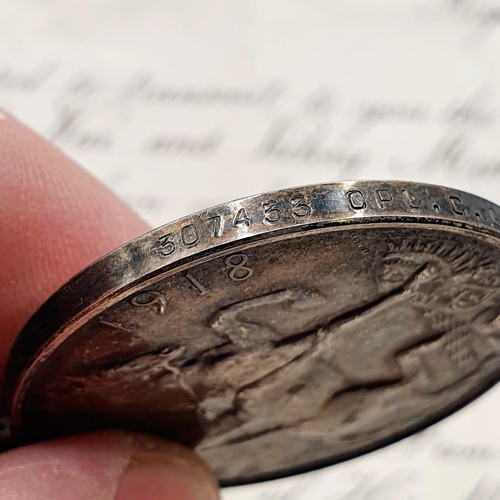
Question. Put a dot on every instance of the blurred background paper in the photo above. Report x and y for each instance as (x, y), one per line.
(178, 106)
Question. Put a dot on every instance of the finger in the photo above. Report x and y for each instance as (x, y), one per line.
(105, 466)
(54, 220)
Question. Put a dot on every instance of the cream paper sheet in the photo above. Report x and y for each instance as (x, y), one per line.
(179, 105)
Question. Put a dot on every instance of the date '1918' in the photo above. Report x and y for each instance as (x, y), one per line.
(238, 270)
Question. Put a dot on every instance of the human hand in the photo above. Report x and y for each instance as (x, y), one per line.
(55, 219)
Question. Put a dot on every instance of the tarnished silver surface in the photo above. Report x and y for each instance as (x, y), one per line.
(278, 333)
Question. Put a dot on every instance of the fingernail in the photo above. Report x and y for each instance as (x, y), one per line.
(164, 471)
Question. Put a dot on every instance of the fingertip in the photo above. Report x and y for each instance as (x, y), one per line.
(55, 219)
(108, 466)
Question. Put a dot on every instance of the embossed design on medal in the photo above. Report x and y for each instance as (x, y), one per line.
(299, 329)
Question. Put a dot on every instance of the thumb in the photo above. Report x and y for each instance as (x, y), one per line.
(111, 465)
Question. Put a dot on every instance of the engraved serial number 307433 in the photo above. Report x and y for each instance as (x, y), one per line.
(273, 212)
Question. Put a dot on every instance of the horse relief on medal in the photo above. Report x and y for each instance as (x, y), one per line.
(246, 353)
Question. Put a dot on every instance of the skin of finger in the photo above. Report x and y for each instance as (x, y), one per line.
(105, 466)
(55, 219)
